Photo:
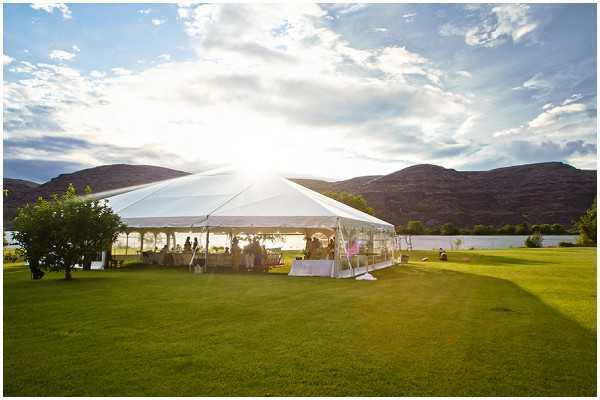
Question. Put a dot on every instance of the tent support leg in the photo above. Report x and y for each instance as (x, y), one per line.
(206, 250)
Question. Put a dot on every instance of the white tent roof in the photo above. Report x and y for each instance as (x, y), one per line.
(232, 199)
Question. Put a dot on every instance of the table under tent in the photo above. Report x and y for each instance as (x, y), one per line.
(236, 204)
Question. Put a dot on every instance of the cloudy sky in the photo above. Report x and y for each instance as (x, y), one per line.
(319, 90)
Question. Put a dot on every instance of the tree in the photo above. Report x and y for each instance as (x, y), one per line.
(507, 229)
(415, 228)
(34, 225)
(534, 240)
(483, 230)
(449, 229)
(67, 230)
(522, 229)
(557, 229)
(352, 200)
(587, 226)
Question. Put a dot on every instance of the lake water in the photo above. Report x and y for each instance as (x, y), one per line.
(428, 242)
(419, 242)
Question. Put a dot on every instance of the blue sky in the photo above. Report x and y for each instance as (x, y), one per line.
(336, 90)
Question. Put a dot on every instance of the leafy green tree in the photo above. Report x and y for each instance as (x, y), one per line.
(434, 230)
(507, 229)
(534, 240)
(483, 230)
(35, 228)
(67, 230)
(522, 229)
(449, 229)
(557, 229)
(587, 226)
(352, 200)
(415, 228)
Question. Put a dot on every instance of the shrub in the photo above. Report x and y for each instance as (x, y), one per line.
(587, 226)
(566, 244)
(415, 228)
(534, 241)
(449, 229)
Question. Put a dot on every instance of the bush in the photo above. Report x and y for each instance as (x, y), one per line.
(566, 244)
(449, 229)
(534, 241)
(587, 227)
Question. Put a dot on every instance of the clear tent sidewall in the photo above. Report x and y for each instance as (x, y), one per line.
(359, 247)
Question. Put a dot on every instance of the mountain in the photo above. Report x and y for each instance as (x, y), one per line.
(536, 193)
(100, 179)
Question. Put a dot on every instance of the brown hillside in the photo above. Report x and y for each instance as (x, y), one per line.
(100, 179)
(537, 193)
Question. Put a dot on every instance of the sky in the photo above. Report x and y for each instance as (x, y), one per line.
(330, 90)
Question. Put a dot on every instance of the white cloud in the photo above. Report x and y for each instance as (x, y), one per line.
(380, 29)
(399, 62)
(510, 132)
(76, 48)
(7, 59)
(97, 74)
(61, 55)
(553, 114)
(259, 71)
(165, 57)
(571, 121)
(538, 84)
(497, 25)
(121, 71)
(409, 17)
(50, 7)
(575, 97)
(145, 11)
(349, 8)
(463, 73)
(157, 22)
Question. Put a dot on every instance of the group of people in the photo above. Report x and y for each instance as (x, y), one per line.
(188, 246)
(254, 255)
(314, 250)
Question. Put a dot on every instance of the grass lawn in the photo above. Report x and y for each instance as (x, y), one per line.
(502, 322)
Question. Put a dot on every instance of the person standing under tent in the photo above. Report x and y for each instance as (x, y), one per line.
(235, 253)
(315, 252)
(249, 256)
(195, 245)
(187, 246)
(307, 247)
(331, 249)
(257, 252)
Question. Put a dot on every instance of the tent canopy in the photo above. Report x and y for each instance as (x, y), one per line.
(233, 199)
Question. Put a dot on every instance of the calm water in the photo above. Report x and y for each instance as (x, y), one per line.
(428, 242)
(420, 242)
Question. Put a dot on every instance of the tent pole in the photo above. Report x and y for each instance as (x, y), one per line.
(206, 250)
(126, 242)
(141, 244)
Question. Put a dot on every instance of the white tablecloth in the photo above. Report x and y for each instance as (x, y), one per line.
(312, 268)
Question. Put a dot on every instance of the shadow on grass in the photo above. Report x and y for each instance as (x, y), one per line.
(486, 336)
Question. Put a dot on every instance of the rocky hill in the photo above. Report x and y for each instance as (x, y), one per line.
(100, 179)
(536, 193)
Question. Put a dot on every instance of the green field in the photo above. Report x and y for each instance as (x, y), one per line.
(502, 322)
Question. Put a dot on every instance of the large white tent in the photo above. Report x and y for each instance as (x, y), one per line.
(232, 202)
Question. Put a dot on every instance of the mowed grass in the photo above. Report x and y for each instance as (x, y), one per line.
(504, 322)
